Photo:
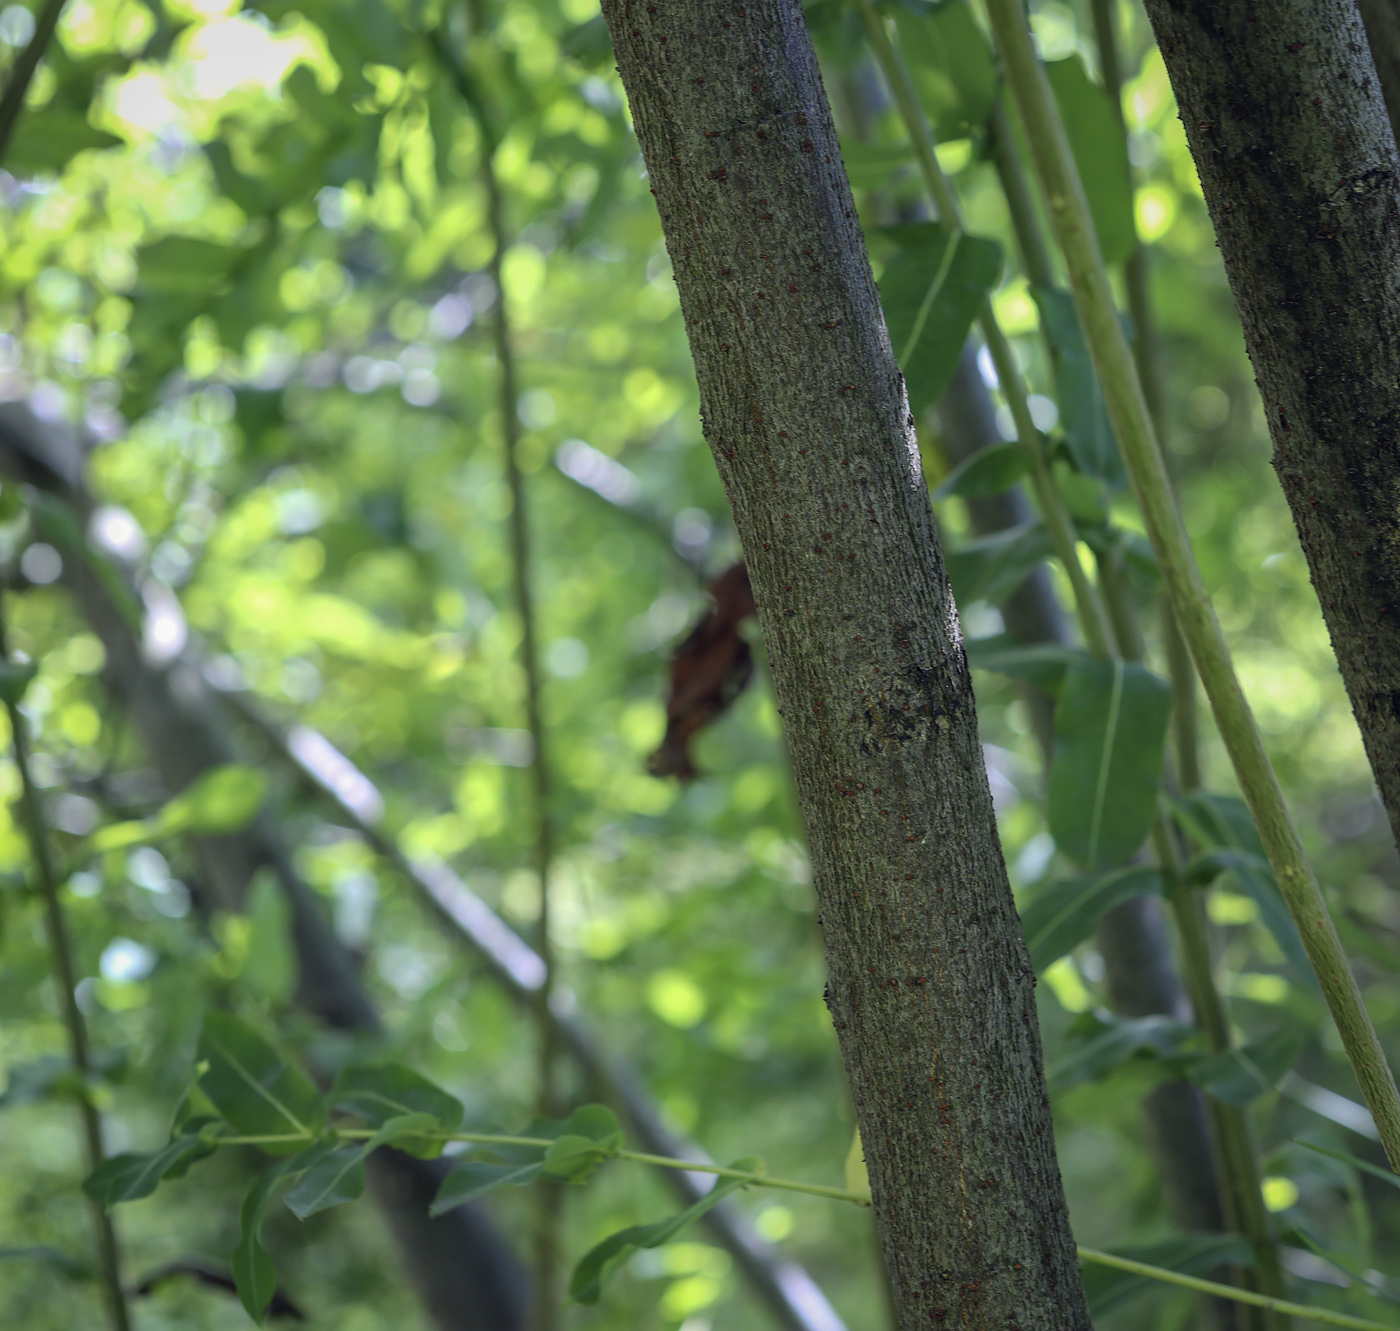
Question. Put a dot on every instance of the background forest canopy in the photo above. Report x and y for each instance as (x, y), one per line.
(302, 306)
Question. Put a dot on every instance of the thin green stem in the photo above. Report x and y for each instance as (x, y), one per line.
(65, 976)
(639, 1157)
(547, 1232)
(1074, 231)
(1323, 1316)
(1058, 523)
(12, 102)
(1241, 1188)
(1147, 352)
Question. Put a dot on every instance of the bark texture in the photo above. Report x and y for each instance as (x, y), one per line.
(1285, 117)
(930, 986)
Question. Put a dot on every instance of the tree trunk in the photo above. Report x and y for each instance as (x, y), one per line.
(1286, 120)
(930, 986)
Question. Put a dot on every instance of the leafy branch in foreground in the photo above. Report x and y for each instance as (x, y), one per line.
(245, 1094)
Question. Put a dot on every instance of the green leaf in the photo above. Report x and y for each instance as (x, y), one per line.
(1222, 826)
(1365, 1166)
(1101, 1045)
(931, 290)
(475, 1178)
(598, 1263)
(1041, 664)
(378, 1094)
(15, 679)
(1109, 1289)
(1110, 731)
(184, 265)
(952, 66)
(253, 1089)
(870, 165)
(339, 1175)
(254, 1275)
(991, 567)
(48, 140)
(1083, 417)
(133, 1175)
(270, 966)
(989, 471)
(1240, 1075)
(223, 800)
(1096, 139)
(1061, 916)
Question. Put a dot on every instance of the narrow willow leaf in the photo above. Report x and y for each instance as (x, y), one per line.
(951, 63)
(991, 567)
(1240, 1075)
(1222, 826)
(1110, 731)
(270, 964)
(1365, 1166)
(1102, 1046)
(990, 471)
(339, 1174)
(254, 1276)
(1041, 664)
(1095, 136)
(1109, 1289)
(1061, 916)
(253, 1089)
(1083, 416)
(136, 1174)
(221, 801)
(475, 1178)
(599, 1263)
(378, 1093)
(931, 289)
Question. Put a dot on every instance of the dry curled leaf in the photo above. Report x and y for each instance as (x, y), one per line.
(708, 671)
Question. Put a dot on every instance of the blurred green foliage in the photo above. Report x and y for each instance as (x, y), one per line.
(245, 250)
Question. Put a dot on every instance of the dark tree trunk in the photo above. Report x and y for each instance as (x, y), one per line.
(1286, 120)
(804, 408)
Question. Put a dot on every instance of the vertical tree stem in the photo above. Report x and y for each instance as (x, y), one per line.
(65, 976)
(12, 102)
(1092, 619)
(547, 1292)
(1069, 214)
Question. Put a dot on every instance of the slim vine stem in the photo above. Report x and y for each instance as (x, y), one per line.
(1238, 1157)
(759, 1179)
(547, 1293)
(1074, 232)
(65, 976)
(1058, 523)
(1147, 352)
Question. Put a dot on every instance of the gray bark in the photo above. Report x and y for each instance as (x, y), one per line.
(805, 411)
(463, 1271)
(1286, 121)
